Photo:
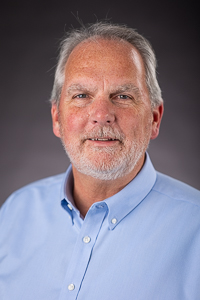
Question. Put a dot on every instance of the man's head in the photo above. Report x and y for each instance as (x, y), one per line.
(110, 32)
(104, 114)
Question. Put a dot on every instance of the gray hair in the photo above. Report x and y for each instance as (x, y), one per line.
(110, 32)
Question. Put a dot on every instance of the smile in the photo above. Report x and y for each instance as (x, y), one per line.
(104, 140)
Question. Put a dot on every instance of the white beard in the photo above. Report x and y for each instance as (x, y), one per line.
(105, 163)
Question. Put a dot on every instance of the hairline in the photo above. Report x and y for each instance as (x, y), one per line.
(149, 61)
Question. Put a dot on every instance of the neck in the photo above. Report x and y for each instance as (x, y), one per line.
(88, 190)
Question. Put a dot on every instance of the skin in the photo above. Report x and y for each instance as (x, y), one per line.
(104, 87)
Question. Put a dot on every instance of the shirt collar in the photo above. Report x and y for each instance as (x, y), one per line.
(67, 200)
(120, 204)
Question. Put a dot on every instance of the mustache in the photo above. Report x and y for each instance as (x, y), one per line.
(104, 132)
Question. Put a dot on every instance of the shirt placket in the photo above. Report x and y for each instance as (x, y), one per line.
(82, 253)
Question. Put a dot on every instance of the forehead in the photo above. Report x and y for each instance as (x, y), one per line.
(104, 57)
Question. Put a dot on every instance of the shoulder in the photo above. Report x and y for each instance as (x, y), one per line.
(42, 185)
(34, 194)
(176, 190)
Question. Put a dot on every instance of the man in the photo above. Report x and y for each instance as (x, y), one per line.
(111, 227)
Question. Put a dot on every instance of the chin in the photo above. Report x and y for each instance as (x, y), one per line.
(104, 169)
(106, 163)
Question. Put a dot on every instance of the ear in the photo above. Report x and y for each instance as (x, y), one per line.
(55, 120)
(157, 117)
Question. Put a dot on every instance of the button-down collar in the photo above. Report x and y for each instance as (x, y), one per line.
(120, 204)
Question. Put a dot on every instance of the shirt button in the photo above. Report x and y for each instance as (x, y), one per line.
(100, 206)
(114, 221)
(86, 239)
(69, 206)
(71, 287)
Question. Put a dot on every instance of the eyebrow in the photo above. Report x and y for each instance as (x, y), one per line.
(126, 88)
(113, 90)
(79, 87)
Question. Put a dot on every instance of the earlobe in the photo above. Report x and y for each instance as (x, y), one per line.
(55, 120)
(157, 117)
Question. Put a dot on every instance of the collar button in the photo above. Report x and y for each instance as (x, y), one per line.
(114, 221)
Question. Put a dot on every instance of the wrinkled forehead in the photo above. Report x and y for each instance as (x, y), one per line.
(102, 54)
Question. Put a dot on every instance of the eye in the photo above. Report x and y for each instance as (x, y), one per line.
(122, 100)
(124, 97)
(80, 96)
(81, 100)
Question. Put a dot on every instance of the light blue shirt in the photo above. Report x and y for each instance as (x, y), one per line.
(142, 243)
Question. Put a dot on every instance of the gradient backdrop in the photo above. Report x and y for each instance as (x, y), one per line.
(30, 34)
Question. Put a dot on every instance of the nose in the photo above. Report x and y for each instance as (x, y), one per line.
(102, 112)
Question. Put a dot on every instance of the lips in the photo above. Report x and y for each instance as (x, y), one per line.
(103, 139)
(103, 135)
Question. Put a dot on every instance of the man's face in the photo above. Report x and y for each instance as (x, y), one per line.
(105, 119)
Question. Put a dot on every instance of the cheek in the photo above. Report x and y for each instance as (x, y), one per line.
(129, 123)
(136, 125)
(72, 123)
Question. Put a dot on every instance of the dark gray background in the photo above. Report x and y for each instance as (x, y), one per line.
(30, 33)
